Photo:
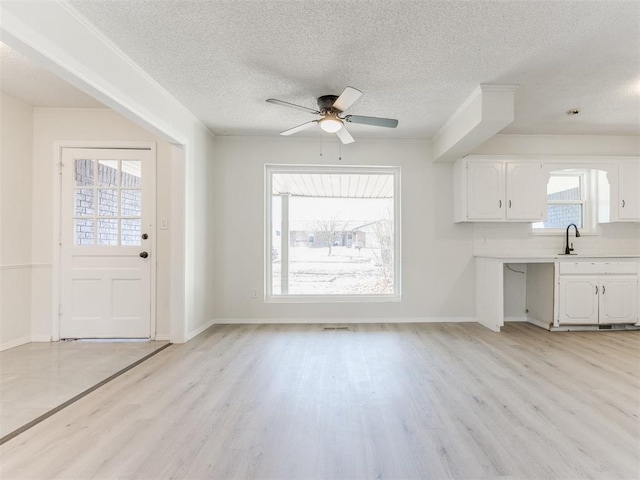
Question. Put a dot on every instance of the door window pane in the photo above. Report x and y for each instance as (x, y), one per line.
(107, 231)
(108, 173)
(131, 201)
(84, 232)
(107, 203)
(110, 192)
(84, 172)
(131, 231)
(84, 202)
(131, 173)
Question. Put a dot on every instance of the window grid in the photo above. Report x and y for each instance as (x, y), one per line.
(107, 207)
(559, 218)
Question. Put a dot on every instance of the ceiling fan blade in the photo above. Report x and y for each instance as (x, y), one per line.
(347, 98)
(344, 135)
(299, 128)
(292, 105)
(376, 121)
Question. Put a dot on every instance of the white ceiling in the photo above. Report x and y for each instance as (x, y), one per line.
(416, 61)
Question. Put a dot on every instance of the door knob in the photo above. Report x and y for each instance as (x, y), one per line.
(145, 236)
(144, 254)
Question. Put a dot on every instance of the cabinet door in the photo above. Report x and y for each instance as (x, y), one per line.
(618, 299)
(524, 192)
(485, 191)
(578, 300)
(629, 191)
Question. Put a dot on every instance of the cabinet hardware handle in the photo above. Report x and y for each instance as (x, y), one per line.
(622, 203)
(509, 203)
(499, 203)
(596, 289)
(603, 289)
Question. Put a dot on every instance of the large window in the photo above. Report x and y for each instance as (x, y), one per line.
(332, 233)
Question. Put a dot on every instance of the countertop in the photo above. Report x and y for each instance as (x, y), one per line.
(509, 258)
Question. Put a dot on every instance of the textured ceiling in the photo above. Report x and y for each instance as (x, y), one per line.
(416, 61)
(35, 86)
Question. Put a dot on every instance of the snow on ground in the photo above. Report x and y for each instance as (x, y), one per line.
(347, 271)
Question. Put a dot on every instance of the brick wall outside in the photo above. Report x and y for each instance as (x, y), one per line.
(107, 228)
(559, 216)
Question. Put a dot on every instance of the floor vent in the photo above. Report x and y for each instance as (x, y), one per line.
(335, 328)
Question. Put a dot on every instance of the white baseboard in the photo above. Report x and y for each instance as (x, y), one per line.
(516, 319)
(199, 330)
(163, 337)
(41, 338)
(14, 343)
(253, 321)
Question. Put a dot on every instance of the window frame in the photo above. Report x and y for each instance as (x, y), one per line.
(588, 201)
(269, 171)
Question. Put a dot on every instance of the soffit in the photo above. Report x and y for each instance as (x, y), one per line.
(333, 185)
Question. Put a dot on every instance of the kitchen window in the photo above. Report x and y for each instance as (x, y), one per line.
(569, 200)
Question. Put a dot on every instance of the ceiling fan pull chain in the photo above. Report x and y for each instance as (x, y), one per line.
(321, 144)
(339, 150)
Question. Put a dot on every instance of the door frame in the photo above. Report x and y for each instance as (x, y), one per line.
(56, 277)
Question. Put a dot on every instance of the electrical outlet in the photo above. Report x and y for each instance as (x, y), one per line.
(164, 223)
(255, 293)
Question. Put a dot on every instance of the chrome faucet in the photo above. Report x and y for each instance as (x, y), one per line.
(568, 249)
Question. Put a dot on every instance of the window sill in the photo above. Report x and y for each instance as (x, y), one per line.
(332, 298)
(562, 232)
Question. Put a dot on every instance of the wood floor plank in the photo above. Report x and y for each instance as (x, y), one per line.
(384, 401)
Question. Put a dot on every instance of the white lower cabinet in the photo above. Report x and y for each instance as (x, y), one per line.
(618, 299)
(578, 302)
(605, 299)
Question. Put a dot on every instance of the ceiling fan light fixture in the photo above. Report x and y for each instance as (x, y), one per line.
(330, 124)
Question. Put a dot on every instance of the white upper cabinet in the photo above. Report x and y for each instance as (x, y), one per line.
(496, 191)
(485, 191)
(525, 192)
(628, 204)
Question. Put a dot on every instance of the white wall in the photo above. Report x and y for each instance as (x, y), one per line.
(516, 238)
(55, 37)
(89, 125)
(203, 228)
(437, 265)
(15, 222)
(438, 274)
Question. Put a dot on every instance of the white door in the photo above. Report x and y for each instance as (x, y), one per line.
(618, 299)
(485, 191)
(106, 222)
(578, 302)
(524, 186)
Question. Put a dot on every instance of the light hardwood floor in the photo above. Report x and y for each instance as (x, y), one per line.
(37, 377)
(377, 402)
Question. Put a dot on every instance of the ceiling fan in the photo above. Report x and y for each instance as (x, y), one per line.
(331, 109)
